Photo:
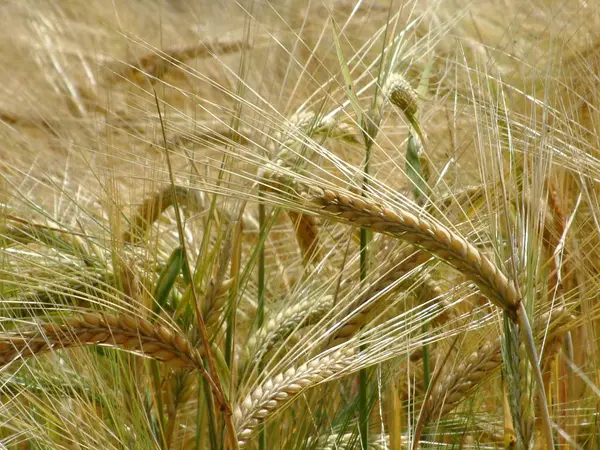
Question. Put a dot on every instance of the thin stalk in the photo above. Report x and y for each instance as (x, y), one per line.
(363, 406)
(212, 420)
(363, 409)
(533, 360)
(426, 363)
(160, 408)
(260, 312)
(235, 272)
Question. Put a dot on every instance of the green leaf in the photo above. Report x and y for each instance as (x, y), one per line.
(167, 278)
(424, 82)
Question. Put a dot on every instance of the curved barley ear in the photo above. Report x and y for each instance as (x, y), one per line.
(419, 231)
(121, 332)
(278, 328)
(462, 380)
(265, 400)
(451, 390)
(151, 209)
(434, 238)
(155, 65)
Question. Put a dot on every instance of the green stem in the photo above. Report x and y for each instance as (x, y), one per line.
(260, 312)
(363, 406)
(232, 307)
(212, 420)
(156, 380)
(533, 360)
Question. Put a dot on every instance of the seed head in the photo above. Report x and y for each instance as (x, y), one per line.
(399, 92)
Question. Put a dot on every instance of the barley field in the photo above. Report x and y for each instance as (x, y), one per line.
(310, 224)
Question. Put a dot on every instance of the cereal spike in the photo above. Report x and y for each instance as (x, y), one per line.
(399, 93)
(123, 332)
(265, 400)
(428, 235)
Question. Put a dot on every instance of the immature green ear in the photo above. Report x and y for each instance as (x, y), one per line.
(167, 278)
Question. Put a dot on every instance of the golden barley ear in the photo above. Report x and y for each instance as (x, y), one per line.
(419, 231)
(150, 210)
(122, 332)
(299, 314)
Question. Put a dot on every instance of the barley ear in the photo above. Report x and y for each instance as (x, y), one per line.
(157, 64)
(431, 236)
(399, 93)
(454, 386)
(279, 327)
(525, 395)
(267, 399)
(122, 332)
